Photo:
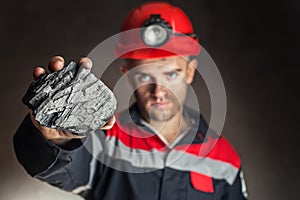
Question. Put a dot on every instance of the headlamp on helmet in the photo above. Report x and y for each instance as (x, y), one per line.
(156, 31)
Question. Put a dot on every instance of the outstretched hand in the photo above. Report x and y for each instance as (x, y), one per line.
(56, 63)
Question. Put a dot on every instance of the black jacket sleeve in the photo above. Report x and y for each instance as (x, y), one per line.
(236, 191)
(66, 169)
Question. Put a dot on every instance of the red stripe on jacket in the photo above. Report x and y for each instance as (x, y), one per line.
(135, 137)
(222, 150)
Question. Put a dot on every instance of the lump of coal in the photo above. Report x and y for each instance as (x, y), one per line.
(71, 99)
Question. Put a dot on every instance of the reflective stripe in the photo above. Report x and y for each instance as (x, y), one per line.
(214, 168)
(119, 156)
(244, 188)
(149, 160)
(222, 151)
(80, 189)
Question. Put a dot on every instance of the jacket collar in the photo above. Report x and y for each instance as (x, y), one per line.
(197, 133)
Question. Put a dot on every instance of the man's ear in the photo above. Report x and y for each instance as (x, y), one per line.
(125, 71)
(191, 69)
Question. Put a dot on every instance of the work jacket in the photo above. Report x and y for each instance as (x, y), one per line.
(132, 161)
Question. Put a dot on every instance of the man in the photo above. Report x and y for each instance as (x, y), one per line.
(153, 149)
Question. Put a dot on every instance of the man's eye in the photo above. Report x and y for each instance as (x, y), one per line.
(172, 75)
(144, 78)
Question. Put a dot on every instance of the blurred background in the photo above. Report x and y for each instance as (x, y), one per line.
(255, 45)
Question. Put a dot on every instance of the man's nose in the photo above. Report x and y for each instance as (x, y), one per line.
(158, 90)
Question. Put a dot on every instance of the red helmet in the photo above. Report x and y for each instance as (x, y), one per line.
(154, 30)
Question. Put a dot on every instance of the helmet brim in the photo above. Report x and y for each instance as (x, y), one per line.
(178, 45)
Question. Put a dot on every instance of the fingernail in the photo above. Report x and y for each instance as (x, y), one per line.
(87, 63)
(55, 59)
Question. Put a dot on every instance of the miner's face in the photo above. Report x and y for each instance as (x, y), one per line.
(160, 85)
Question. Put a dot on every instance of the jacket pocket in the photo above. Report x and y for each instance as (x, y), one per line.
(202, 182)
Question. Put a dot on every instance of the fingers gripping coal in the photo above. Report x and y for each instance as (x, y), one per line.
(71, 99)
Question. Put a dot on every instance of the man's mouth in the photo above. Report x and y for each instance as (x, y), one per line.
(162, 104)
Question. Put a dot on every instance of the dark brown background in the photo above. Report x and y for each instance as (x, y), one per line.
(254, 43)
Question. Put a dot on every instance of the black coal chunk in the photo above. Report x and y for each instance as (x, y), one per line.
(71, 99)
